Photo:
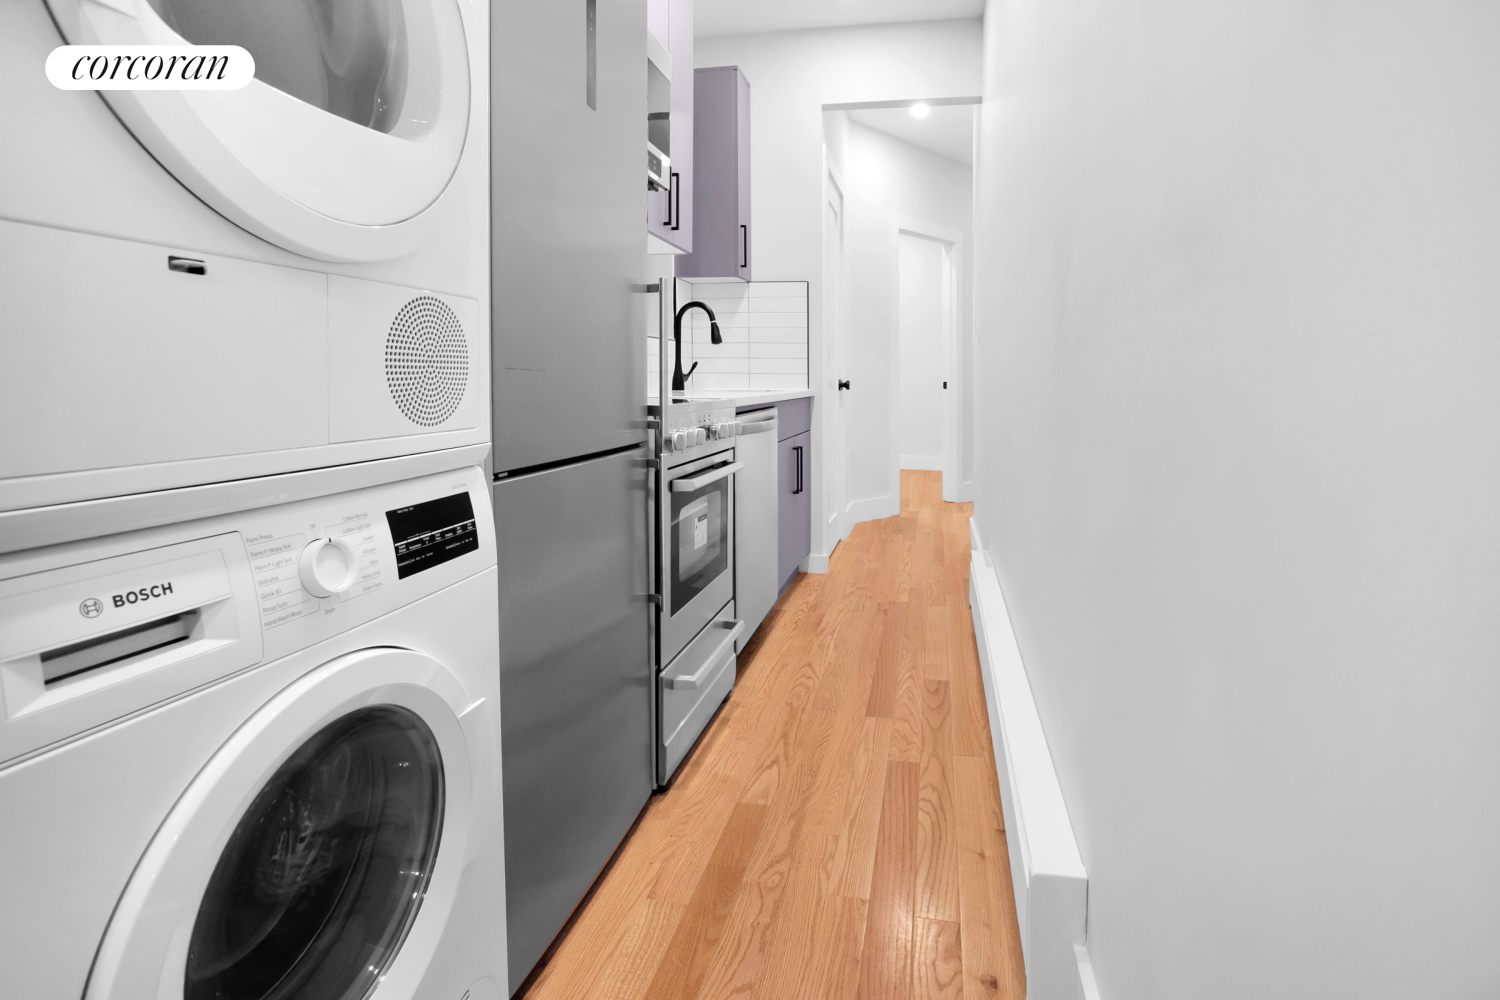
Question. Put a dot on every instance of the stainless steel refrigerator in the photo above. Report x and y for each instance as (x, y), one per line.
(568, 116)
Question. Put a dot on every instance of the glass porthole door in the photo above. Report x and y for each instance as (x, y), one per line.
(316, 856)
(322, 877)
(345, 143)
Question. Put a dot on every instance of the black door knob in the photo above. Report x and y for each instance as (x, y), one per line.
(843, 383)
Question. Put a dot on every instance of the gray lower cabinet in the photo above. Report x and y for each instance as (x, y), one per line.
(794, 504)
(722, 236)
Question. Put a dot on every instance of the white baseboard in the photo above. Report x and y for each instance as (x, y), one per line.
(870, 509)
(922, 463)
(815, 563)
(976, 544)
(1047, 873)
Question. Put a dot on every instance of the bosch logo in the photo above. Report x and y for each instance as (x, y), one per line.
(143, 594)
(91, 608)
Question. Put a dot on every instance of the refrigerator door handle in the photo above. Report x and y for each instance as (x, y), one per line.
(691, 681)
(688, 484)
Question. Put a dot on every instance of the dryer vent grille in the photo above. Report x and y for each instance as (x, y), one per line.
(426, 361)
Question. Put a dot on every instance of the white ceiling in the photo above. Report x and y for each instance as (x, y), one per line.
(948, 129)
(738, 17)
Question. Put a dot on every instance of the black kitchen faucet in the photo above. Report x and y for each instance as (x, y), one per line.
(679, 377)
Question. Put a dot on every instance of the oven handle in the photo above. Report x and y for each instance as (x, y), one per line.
(689, 483)
(691, 681)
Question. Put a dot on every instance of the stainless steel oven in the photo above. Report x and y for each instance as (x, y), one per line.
(694, 548)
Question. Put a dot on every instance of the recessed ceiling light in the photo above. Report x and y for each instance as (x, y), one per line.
(920, 110)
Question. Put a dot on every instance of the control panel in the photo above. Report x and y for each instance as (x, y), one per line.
(351, 550)
(94, 630)
(695, 431)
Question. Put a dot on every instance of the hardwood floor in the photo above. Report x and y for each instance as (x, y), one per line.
(838, 832)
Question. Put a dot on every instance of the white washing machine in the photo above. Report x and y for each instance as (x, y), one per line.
(200, 287)
(257, 755)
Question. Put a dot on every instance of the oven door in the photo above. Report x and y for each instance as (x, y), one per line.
(697, 548)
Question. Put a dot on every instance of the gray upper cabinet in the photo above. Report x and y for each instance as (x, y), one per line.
(723, 239)
(669, 210)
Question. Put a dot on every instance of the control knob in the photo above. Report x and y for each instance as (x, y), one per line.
(327, 566)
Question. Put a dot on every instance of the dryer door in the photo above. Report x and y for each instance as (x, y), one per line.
(343, 145)
(318, 853)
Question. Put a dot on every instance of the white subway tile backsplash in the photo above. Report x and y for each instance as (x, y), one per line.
(780, 320)
(781, 335)
(778, 366)
(728, 349)
(769, 289)
(764, 327)
(723, 366)
(778, 382)
(792, 349)
(796, 305)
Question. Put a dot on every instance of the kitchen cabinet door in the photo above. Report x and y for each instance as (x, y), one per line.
(794, 504)
(722, 235)
(669, 212)
(742, 169)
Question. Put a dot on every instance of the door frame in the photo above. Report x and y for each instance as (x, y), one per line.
(952, 243)
(836, 523)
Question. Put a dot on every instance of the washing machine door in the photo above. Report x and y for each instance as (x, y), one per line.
(344, 144)
(316, 856)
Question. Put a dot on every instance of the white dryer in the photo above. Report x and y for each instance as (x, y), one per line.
(257, 755)
(202, 287)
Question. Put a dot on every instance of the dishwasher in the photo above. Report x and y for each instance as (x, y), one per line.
(755, 525)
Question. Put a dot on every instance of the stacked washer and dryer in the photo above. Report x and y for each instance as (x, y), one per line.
(249, 704)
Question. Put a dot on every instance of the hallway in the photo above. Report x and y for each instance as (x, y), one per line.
(838, 833)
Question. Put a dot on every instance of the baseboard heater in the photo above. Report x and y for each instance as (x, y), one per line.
(1047, 873)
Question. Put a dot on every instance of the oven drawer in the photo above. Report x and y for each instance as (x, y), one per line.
(692, 688)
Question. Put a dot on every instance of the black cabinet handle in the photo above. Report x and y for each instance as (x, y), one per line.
(843, 383)
(744, 245)
(798, 449)
(674, 219)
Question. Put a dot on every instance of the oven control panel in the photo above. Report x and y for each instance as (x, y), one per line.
(698, 431)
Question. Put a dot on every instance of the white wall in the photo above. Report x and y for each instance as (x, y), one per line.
(792, 75)
(891, 184)
(1239, 345)
(922, 319)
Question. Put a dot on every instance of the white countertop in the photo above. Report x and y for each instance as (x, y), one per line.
(748, 397)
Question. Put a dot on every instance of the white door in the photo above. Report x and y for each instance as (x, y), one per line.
(833, 274)
(926, 372)
(318, 853)
(343, 145)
